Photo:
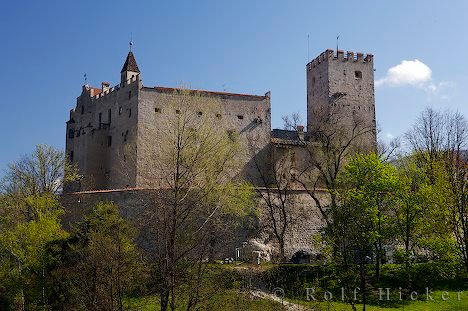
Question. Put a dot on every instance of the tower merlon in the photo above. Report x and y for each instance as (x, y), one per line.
(105, 86)
(341, 56)
(369, 58)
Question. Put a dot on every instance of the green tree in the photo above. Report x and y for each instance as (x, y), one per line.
(45, 171)
(194, 165)
(102, 260)
(371, 184)
(439, 142)
(359, 224)
(30, 219)
(421, 214)
(410, 210)
(23, 243)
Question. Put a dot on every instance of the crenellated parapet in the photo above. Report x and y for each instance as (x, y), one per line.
(108, 90)
(340, 55)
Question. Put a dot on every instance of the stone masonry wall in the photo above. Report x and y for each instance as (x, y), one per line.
(99, 146)
(133, 202)
(247, 116)
(350, 75)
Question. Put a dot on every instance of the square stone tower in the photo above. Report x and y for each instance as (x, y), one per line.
(342, 87)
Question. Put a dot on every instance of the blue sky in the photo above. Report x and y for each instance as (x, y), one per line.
(244, 46)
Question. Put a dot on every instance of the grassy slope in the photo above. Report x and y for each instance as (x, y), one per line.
(451, 304)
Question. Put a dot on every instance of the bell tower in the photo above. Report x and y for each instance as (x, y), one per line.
(129, 69)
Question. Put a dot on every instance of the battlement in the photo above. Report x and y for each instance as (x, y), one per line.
(340, 56)
(108, 90)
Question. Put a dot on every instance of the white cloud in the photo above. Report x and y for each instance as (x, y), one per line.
(417, 74)
(408, 72)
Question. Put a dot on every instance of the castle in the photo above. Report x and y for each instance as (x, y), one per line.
(112, 132)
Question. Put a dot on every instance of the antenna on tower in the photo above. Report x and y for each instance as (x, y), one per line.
(85, 78)
(337, 39)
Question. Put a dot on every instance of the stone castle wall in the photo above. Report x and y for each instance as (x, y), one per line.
(246, 116)
(133, 202)
(99, 134)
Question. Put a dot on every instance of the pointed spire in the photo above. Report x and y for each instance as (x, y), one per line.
(130, 64)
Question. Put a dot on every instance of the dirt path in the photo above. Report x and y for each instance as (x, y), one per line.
(288, 306)
(259, 290)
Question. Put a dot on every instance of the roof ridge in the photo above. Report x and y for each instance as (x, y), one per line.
(164, 88)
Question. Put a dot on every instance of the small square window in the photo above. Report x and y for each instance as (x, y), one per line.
(177, 111)
(158, 110)
(358, 74)
(240, 117)
(218, 115)
(200, 113)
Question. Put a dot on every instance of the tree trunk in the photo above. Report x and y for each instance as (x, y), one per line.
(23, 300)
(281, 250)
(164, 296)
(362, 275)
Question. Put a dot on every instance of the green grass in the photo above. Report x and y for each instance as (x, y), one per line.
(229, 300)
(235, 300)
(141, 304)
(452, 304)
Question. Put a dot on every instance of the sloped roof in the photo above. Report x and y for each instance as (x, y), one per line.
(130, 64)
(284, 134)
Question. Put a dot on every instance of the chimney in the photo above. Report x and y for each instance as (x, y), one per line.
(300, 132)
(105, 86)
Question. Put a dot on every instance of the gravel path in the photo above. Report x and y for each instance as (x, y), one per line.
(288, 306)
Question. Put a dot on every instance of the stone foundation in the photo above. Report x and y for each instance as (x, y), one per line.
(133, 202)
